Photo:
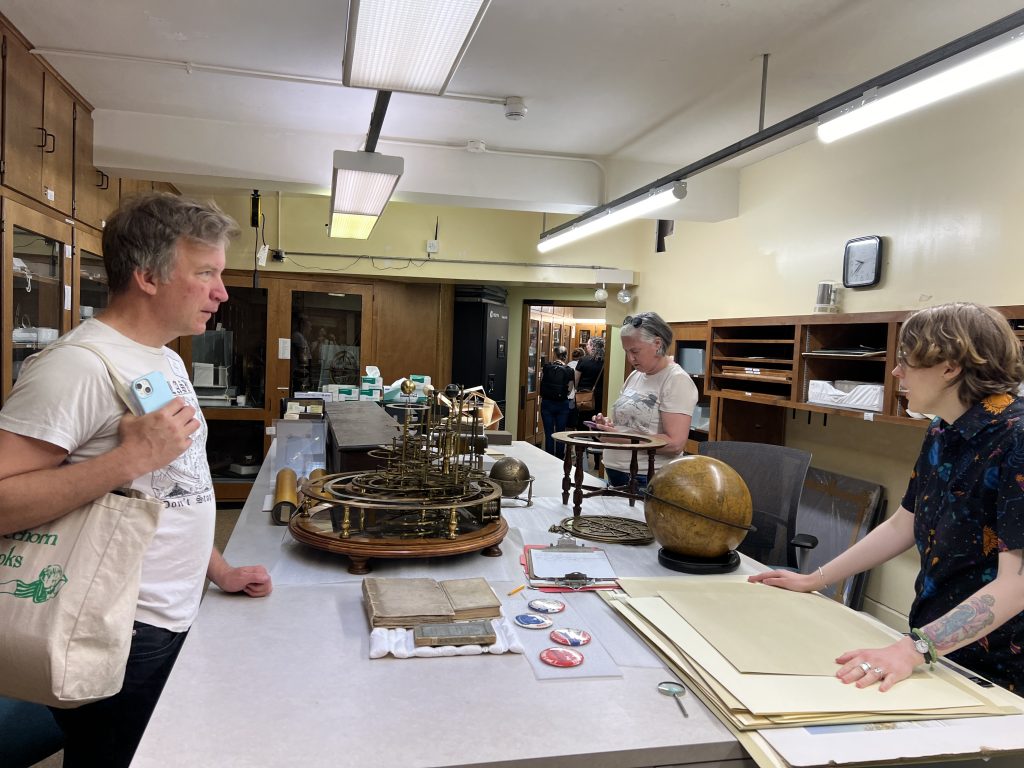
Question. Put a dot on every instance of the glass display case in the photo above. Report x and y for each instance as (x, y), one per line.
(93, 291)
(326, 339)
(37, 297)
(532, 358)
(229, 360)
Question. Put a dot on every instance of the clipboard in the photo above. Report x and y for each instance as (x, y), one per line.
(568, 566)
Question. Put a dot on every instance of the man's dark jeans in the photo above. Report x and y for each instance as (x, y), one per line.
(105, 734)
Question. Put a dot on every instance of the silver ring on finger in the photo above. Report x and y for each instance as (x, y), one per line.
(864, 667)
(879, 671)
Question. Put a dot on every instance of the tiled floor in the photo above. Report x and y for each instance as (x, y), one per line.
(226, 519)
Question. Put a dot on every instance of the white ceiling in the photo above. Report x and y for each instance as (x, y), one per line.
(641, 86)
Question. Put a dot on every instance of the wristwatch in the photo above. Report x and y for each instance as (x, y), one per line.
(924, 646)
(921, 646)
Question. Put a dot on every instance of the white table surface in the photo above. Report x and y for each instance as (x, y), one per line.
(287, 681)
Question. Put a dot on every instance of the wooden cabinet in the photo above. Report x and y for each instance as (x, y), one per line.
(690, 353)
(38, 135)
(36, 289)
(96, 193)
(758, 367)
(298, 332)
(90, 289)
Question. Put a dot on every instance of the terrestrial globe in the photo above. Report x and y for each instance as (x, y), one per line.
(511, 474)
(698, 507)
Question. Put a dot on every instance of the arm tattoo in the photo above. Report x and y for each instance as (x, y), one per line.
(965, 622)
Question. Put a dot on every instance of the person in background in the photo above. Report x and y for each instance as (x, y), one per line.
(164, 256)
(657, 398)
(577, 355)
(556, 380)
(963, 509)
(590, 376)
(301, 352)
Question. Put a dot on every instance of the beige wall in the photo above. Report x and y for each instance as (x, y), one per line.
(295, 223)
(944, 186)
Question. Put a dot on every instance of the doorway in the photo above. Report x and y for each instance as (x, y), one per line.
(546, 325)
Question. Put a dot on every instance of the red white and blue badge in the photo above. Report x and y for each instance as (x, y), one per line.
(533, 621)
(546, 605)
(570, 636)
(561, 657)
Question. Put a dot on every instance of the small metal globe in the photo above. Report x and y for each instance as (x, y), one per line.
(408, 386)
(511, 474)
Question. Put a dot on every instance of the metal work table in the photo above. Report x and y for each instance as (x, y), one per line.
(287, 680)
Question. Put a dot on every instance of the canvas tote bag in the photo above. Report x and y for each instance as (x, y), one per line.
(68, 591)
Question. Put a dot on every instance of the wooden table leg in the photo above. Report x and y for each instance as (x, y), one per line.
(634, 467)
(577, 496)
(650, 464)
(567, 467)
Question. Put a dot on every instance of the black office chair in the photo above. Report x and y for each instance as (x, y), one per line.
(774, 474)
(835, 513)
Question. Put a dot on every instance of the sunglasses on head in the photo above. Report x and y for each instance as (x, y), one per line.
(636, 322)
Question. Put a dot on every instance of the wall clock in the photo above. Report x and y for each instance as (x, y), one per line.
(862, 262)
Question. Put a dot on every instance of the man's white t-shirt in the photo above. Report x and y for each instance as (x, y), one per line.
(639, 406)
(65, 397)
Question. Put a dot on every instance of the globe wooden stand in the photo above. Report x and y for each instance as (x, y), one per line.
(608, 528)
(577, 443)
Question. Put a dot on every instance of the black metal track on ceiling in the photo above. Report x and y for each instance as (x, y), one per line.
(809, 116)
(380, 108)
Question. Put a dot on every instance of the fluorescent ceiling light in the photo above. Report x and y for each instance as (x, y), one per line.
(408, 45)
(1001, 57)
(360, 189)
(608, 218)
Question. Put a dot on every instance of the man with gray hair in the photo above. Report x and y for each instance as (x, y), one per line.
(164, 256)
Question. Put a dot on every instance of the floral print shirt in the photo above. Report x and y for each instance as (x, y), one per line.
(967, 496)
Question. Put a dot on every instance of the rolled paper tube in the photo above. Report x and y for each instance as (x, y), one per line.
(286, 499)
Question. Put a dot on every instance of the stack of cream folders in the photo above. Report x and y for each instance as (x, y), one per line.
(764, 658)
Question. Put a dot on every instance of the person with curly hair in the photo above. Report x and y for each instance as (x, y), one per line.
(963, 509)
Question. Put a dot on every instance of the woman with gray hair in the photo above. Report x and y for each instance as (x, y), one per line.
(657, 398)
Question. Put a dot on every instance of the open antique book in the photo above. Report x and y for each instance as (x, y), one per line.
(408, 602)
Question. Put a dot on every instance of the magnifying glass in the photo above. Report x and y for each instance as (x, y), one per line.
(675, 690)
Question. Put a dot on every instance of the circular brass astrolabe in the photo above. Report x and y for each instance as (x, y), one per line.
(610, 529)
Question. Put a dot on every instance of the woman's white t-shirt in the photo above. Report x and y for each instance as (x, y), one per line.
(640, 404)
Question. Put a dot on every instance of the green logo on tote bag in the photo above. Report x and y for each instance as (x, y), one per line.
(50, 580)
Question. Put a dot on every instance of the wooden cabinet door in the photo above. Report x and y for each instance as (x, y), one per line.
(24, 134)
(96, 194)
(58, 154)
(132, 187)
(529, 427)
(34, 293)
